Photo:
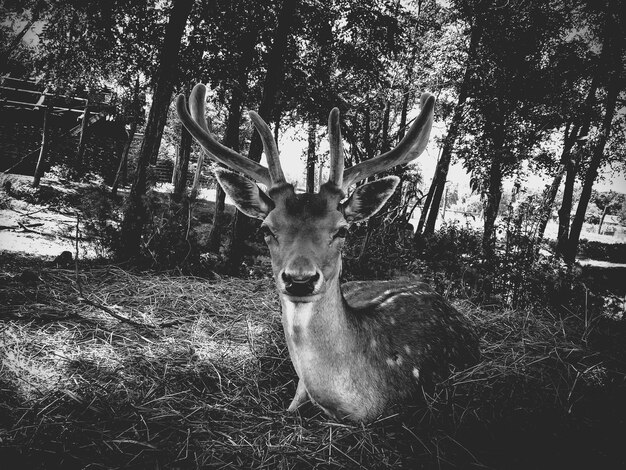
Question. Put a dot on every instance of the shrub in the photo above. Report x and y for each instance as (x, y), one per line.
(614, 252)
(452, 262)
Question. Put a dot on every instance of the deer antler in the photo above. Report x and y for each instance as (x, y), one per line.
(197, 126)
(336, 148)
(409, 148)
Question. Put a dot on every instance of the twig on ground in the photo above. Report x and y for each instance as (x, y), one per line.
(112, 313)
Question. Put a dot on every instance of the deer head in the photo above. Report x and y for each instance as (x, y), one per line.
(305, 232)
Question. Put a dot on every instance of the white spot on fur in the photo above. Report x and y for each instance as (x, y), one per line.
(388, 302)
(392, 320)
(373, 343)
(416, 373)
(297, 314)
(407, 349)
(397, 361)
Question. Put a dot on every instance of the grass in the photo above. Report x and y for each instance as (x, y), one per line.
(138, 370)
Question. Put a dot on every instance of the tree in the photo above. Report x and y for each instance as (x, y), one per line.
(507, 99)
(443, 165)
(237, 28)
(311, 157)
(615, 66)
(133, 114)
(608, 204)
(573, 98)
(135, 213)
(588, 153)
(45, 143)
(275, 70)
(181, 167)
(231, 140)
(26, 12)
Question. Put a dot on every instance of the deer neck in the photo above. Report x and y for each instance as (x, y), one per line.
(321, 326)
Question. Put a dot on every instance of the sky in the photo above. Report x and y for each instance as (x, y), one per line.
(293, 144)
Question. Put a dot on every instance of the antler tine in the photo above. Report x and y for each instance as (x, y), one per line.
(336, 148)
(409, 148)
(197, 127)
(197, 107)
(269, 145)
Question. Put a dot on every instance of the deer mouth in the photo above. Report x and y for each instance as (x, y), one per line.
(300, 292)
(301, 299)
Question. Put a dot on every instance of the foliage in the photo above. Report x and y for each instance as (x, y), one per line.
(607, 203)
(168, 242)
(453, 262)
(614, 252)
(99, 216)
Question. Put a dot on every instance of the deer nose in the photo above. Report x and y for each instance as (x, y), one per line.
(301, 284)
(300, 277)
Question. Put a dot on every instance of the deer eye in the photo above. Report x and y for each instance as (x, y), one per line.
(267, 232)
(341, 233)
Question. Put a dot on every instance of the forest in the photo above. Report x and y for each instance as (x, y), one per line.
(140, 319)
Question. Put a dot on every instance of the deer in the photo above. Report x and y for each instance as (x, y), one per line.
(359, 348)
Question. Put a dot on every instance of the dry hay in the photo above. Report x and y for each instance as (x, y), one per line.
(144, 370)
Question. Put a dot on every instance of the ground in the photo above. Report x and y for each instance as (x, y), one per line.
(103, 366)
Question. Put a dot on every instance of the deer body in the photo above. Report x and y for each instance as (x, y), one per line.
(359, 348)
(363, 346)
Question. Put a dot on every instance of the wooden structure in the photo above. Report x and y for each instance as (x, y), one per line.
(80, 130)
(70, 120)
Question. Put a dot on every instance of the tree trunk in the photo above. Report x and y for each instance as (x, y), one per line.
(550, 192)
(134, 121)
(277, 127)
(578, 131)
(441, 171)
(425, 208)
(602, 219)
(135, 213)
(311, 157)
(494, 195)
(176, 164)
(45, 143)
(121, 169)
(231, 140)
(613, 89)
(197, 177)
(367, 142)
(273, 81)
(445, 203)
(403, 115)
(275, 73)
(80, 154)
(564, 245)
(566, 204)
(5, 55)
(120, 145)
(182, 164)
(385, 144)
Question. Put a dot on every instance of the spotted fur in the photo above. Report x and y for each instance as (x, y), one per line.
(364, 346)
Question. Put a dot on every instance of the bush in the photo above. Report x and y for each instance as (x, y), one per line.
(614, 252)
(452, 262)
(167, 241)
(101, 219)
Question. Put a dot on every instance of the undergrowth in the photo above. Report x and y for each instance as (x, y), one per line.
(118, 369)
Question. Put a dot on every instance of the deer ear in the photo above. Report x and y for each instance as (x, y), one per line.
(367, 199)
(246, 195)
